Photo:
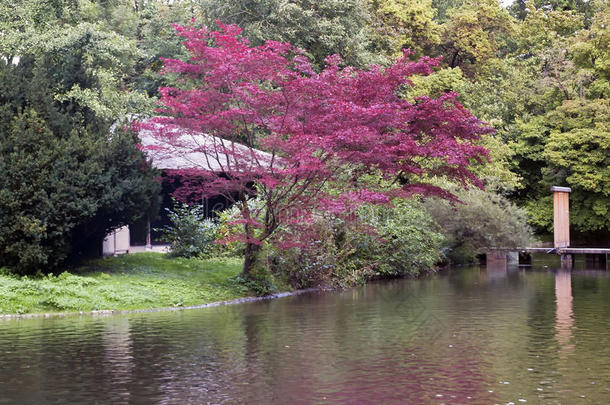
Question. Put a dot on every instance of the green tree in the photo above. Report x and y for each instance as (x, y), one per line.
(520, 8)
(443, 8)
(476, 32)
(321, 28)
(578, 154)
(68, 179)
(491, 99)
(541, 27)
(402, 24)
(156, 39)
(565, 141)
(60, 194)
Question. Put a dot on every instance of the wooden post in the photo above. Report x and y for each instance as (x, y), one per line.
(512, 258)
(148, 238)
(567, 261)
(561, 216)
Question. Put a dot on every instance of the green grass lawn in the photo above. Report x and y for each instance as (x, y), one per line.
(136, 281)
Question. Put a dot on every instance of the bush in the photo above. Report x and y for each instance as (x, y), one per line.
(316, 259)
(190, 234)
(387, 241)
(260, 281)
(227, 230)
(407, 240)
(483, 220)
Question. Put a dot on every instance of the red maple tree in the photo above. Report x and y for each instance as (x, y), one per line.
(261, 120)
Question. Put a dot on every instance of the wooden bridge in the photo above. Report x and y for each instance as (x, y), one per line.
(561, 238)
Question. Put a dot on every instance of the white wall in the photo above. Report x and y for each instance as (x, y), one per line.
(117, 242)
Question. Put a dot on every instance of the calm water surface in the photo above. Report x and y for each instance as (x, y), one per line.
(478, 335)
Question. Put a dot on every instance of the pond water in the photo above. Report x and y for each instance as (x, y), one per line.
(475, 335)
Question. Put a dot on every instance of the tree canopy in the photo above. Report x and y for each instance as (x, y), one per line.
(535, 71)
(326, 135)
(67, 178)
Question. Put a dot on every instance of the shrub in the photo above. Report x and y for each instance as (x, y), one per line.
(385, 241)
(190, 234)
(483, 220)
(228, 231)
(315, 260)
(260, 281)
(407, 241)
(388, 241)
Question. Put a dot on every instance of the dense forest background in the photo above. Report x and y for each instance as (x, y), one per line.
(537, 71)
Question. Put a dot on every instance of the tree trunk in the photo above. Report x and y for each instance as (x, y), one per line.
(250, 259)
(454, 60)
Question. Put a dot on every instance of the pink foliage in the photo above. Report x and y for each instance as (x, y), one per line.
(318, 132)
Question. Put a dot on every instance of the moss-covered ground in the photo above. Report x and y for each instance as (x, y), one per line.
(136, 281)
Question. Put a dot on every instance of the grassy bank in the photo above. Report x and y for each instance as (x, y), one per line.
(137, 281)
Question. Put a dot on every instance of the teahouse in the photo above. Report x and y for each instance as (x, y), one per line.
(186, 151)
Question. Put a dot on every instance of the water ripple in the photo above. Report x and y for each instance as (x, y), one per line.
(472, 336)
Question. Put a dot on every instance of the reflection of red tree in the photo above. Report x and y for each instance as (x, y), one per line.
(397, 376)
(564, 318)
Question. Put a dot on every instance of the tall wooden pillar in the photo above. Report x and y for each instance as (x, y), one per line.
(561, 216)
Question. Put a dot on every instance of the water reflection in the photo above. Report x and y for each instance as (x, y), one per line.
(496, 270)
(118, 357)
(564, 319)
(477, 336)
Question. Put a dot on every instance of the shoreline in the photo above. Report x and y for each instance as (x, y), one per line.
(140, 283)
(109, 312)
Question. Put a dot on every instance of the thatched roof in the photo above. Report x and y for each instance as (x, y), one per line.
(187, 150)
